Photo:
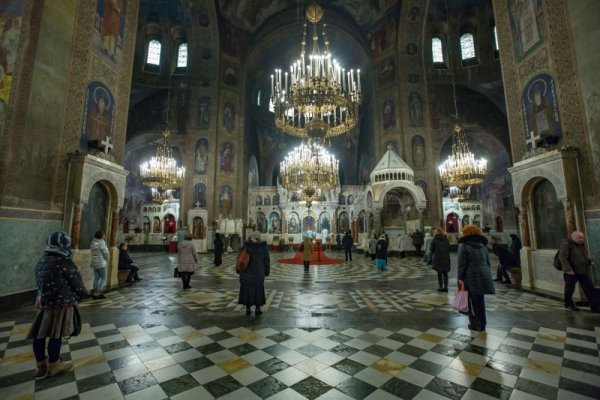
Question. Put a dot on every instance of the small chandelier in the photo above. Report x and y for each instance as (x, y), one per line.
(309, 169)
(161, 172)
(317, 98)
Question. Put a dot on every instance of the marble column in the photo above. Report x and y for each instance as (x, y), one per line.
(76, 226)
(114, 228)
(569, 217)
(524, 227)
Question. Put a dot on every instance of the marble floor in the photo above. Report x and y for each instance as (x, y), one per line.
(340, 331)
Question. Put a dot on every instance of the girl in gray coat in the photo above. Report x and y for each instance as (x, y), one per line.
(440, 258)
(475, 271)
(187, 260)
(99, 262)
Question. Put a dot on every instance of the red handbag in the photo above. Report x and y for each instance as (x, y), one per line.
(242, 260)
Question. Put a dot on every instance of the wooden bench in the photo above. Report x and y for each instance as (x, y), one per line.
(122, 278)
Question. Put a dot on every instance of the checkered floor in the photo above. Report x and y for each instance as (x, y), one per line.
(368, 335)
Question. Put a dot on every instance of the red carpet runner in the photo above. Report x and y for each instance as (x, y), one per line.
(317, 259)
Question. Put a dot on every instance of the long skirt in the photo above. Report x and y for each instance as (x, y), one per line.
(252, 295)
(52, 323)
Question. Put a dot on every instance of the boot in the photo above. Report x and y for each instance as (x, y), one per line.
(41, 369)
(257, 311)
(59, 367)
(248, 310)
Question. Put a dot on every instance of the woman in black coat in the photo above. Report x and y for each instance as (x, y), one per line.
(218, 250)
(252, 279)
(440, 258)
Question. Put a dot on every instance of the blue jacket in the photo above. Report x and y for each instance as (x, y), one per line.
(59, 282)
(474, 265)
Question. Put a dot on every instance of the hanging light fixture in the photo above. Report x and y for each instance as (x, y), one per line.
(161, 172)
(308, 170)
(461, 170)
(317, 98)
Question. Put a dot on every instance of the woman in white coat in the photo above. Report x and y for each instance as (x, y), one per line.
(187, 260)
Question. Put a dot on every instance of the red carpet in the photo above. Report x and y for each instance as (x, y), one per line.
(322, 259)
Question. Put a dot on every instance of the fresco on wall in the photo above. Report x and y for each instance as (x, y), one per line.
(200, 195)
(274, 223)
(308, 222)
(201, 156)
(267, 200)
(261, 222)
(415, 109)
(229, 116)
(364, 169)
(541, 112)
(99, 115)
(253, 172)
(225, 201)
(294, 223)
(94, 215)
(324, 222)
(275, 199)
(382, 35)
(109, 27)
(203, 112)
(199, 228)
(343, 222)
(227, 159)
(389, 114)
(418, 151)
(548, 231)
(526, 25)
(11, 12)
(391, 145)
(259, 200)
(230, 73)
(350, 200)
(386, 71)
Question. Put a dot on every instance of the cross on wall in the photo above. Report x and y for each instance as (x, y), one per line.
(107, 145)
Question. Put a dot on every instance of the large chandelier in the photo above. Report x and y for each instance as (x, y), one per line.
(161, 172)
(309, 169)
(317, 98)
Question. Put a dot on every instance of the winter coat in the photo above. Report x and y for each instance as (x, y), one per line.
(515, 249)
(99, 254)
(59, 282)
(307, 249)
(418, 239)
(506, 258)
(440, 253)
(347, 241)
(259, 265)
(474, 265)
(124, 259)
(372, 245)
(572, 257)
(187, 257)
(381, 249)
(218, 245)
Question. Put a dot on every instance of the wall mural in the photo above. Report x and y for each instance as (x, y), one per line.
(415, 109)
(308, 223)
(200, 195)
(382, 35)
(203, 112)
(389, 114)
(99, 116)
(294, 223)
(261, 222)
(201, 156)
(526, 26)
(418, 151)
(364, 169)
(94, 215)
(229, 116)
(267, 200)
(199, 228)
(109, 28)
(230, 73)
(11, 12)
(258, 200)
(541, 112)
(274, 223)
(324, 222)
(386, 71)
(225, 201)
(227, 159)
(548, 231)
(253, 172)
(343, 222)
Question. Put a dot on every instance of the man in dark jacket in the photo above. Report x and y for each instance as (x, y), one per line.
(218, 250)
(575, 264)
(418, 239)
(347, 242)
(126, 263)
(507, 261)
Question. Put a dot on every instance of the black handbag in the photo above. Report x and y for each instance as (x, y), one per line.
(76, 321)
(176, 273)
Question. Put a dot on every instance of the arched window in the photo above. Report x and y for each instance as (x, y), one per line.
(182, 56)
(153, 57)
(467, 46)
(437, 50)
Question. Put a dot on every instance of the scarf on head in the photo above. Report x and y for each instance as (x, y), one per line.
(60, 243)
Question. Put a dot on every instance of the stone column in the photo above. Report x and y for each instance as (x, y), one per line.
(76, 226)
(569, 217)
(114, 228)
(524, 226)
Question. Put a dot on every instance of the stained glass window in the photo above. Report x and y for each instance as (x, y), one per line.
(437, 50)
(467, 46)
(153, 52)
(182, 56)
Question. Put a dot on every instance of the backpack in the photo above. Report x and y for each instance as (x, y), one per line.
(242, 260)
(556, 263)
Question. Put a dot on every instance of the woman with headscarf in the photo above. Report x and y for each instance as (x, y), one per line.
(307, 252)
(59, 286)
(252, 279)
(381, 253)
(218, 250)
(440, 258)
(475, 272)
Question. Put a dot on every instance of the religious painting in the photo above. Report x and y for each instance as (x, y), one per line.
(170, 224)
(548, 216)
(94, 215)
(200, 195)
(230, 73)
(267, 200)
(343, 222)
(99, 116)
(199, 228)
(386, 71)
(414, 14)
(225, 201)
(541, 113)
(382, 35)
(274, 223)
(294, 223)
(259, 200)
(201, 156)
(364, 170)
(227, 159)
(11, 12)
(391, 145)
(324, 223)
(261, 222)
(341, 199)
(418, 151)
(526, 26)
(109, 25)
(253, 172)
(156, 225)
(415, 109)
(146, 225)
(203, 112)
(389, 114)
(452, 223)
(229, 116)
(276, 200)
(234, 40)
(308, 223)
(350, 200)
